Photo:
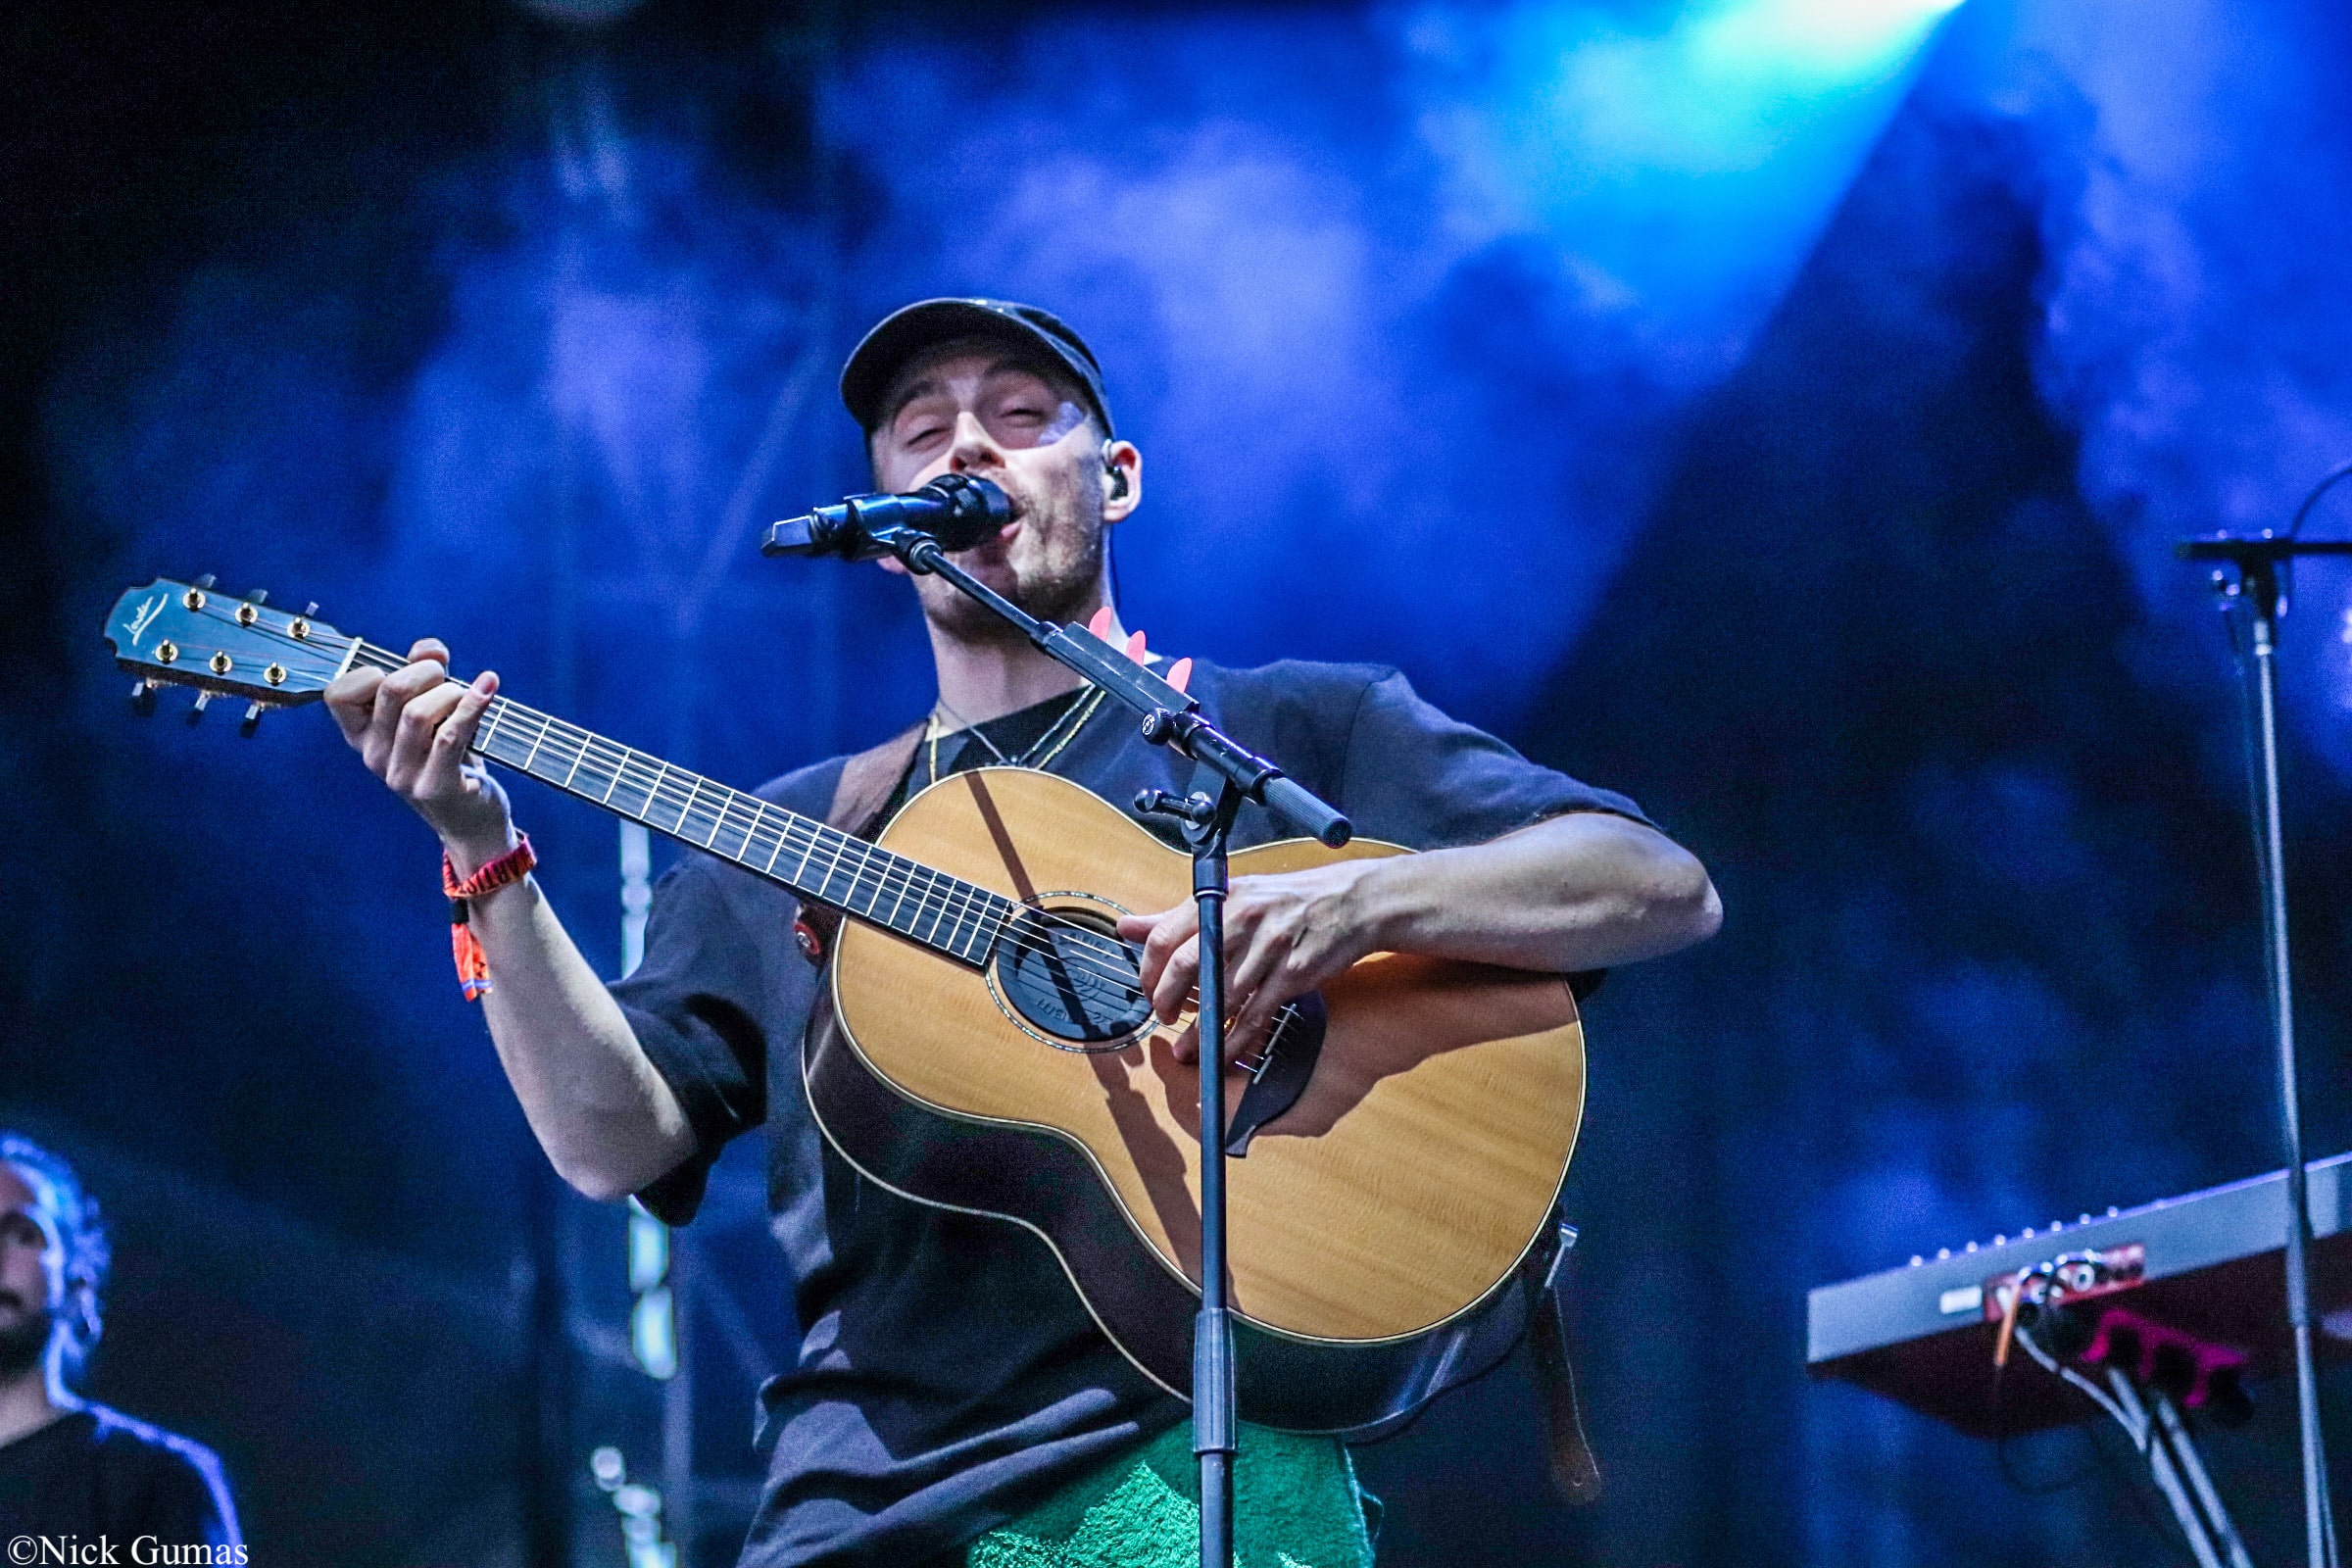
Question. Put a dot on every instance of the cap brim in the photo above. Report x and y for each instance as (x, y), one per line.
(905, 333)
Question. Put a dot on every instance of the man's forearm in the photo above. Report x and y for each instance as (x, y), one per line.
(1586, 891)
(606, 1118)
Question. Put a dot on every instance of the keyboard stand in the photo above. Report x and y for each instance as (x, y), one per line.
(2153, 1423)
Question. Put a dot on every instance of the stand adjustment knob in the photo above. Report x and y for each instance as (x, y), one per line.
(1198, 810)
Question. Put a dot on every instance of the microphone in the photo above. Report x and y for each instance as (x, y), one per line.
(955, 509)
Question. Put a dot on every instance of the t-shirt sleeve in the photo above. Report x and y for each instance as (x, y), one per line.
(694, 1004)
(1414, 776)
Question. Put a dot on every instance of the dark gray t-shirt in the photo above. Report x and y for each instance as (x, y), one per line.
(97, 1473)
(949, 1377)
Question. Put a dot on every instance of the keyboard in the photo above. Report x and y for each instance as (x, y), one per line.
(2210, 1264)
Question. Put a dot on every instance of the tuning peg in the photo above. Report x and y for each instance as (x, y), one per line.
(196, 711)
(311, 609)
(251, 722)
(206, 581)
(142, 698)
(260, 596)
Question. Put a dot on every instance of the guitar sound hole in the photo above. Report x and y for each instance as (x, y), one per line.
(1068, 975)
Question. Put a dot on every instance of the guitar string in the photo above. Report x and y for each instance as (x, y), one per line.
(944, 899)
(1111, 957)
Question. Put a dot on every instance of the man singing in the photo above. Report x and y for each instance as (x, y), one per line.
(70, 1468)
(953, 1403)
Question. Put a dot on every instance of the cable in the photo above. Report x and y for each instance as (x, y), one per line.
(2295, 528)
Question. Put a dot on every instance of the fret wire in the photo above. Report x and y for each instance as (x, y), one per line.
(898, 879)
(962, 898)
(726, 809)
(780, 826)
(544, 723)
(816, 838)
(979, 904)
(906, 886)
(718, 821)
(937, 907)
(825, 881)
(951, 913)
(847, 846)
(893, 870)
(867, 861)
(937, 898)
(758, 812)
(979, 910)
(577, 757)
(896, 876)
(799, 872)
(879, 864)
(614, 782)
(653, 785)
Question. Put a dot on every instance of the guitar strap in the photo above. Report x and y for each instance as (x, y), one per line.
(867, 783)
(1574, 1471)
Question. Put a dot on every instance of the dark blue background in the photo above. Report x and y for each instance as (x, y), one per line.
(1783, 419)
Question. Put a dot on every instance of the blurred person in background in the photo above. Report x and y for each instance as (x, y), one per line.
(71, 1467)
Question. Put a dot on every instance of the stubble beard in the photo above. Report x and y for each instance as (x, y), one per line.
(1066, 577)
(23, 1341)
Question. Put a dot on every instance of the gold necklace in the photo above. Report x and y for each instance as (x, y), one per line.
(1087, 700)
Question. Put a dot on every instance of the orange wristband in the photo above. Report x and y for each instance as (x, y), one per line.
(473, 966)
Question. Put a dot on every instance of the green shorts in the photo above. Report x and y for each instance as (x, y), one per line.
(1296, 1505)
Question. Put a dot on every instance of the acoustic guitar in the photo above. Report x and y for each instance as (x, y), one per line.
(984, 1046)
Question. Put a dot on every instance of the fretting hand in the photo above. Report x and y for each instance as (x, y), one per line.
(412, 728)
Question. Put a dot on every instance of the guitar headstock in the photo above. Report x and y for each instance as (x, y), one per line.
(191, 634)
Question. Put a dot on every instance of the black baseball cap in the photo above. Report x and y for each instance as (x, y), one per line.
(907, 332)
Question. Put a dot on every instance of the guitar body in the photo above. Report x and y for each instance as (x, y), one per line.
(1373, 1225)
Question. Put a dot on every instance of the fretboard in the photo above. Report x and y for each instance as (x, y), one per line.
(946, 914)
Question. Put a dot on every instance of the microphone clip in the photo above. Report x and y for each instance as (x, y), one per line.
(954, 512)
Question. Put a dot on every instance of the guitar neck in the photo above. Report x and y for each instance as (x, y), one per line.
(957, 919)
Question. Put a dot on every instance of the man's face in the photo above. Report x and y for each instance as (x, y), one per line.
(974, 407)
(33, 1270)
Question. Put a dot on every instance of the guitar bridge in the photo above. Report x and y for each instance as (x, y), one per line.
(1279, 1072)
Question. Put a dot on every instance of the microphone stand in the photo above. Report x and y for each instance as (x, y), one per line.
(1173, 719)
(2260, 564)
